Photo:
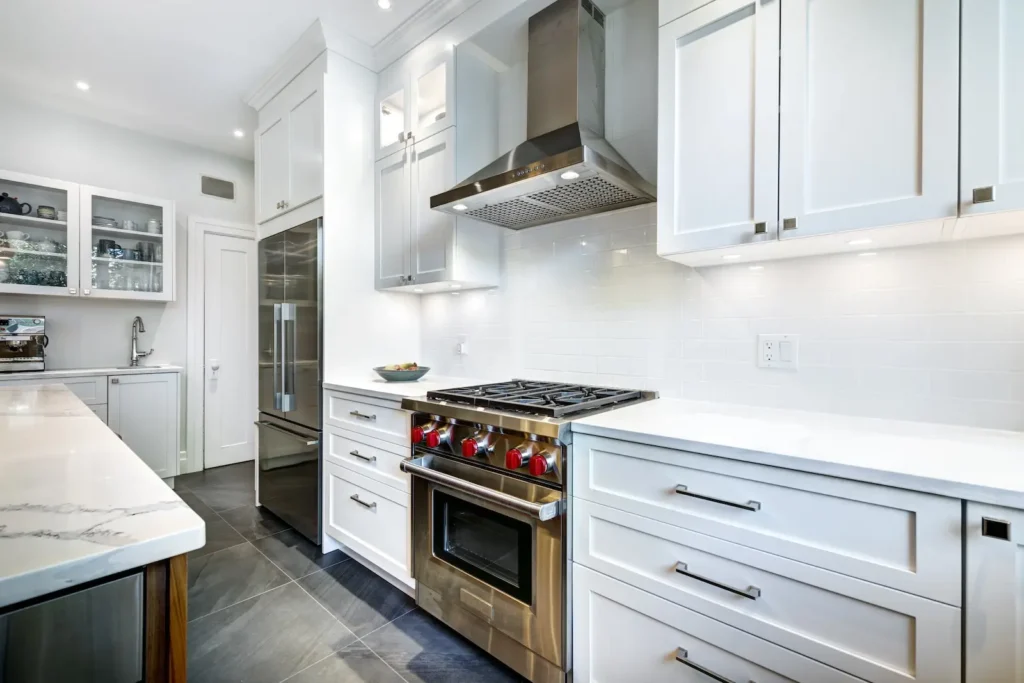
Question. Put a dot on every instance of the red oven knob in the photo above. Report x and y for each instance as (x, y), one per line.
(433, 439)
(541, 464)
(436, 437)
(514, 459)
(417, 435)
(470, 447)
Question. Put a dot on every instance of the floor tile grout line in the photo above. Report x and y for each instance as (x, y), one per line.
(241, 601)
(293, 675)
(367, 635)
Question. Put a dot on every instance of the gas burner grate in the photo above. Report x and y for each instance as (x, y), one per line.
(549, 399)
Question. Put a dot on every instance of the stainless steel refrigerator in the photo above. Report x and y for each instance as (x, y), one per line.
(291, 374)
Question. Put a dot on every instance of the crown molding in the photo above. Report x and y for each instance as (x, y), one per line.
(426, 21)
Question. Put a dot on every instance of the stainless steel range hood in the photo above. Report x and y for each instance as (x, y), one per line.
(565, 169)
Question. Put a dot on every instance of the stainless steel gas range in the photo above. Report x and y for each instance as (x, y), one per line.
(491, 542)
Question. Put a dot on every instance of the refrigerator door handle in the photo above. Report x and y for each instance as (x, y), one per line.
(288, 358)
(277, 357)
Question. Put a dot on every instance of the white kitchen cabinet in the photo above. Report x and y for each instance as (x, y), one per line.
(289, 146)
(143, 411)
(994, 594)
(718, 127)
(127, 246)
(416, 99)
(992, 107)
(419, 249)
(856, 149)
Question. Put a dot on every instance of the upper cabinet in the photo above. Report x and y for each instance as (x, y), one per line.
(65, 239)
(992, 107)
(868, 124)
(416, 99)
(290, 146)
(717, 173)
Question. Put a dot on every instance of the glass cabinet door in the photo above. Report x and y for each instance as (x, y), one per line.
(38, 249)
(391, 116)
(127, 246)
(434, 94)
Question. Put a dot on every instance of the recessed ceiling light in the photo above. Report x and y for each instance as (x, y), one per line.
(583, 243)
(384, 4)
(418, 290)
(459, 207)
(868, 253)
(239, 133)
(854, 243)
(730, 257)
(570, 175)
(757, 267)
(82, 85)
(454, 286)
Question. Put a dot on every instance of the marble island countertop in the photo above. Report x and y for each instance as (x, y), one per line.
(76, 504)
(981, 465)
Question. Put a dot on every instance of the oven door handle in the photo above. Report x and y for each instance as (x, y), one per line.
(542, 511)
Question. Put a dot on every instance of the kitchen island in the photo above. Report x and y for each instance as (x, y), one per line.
(92, 548)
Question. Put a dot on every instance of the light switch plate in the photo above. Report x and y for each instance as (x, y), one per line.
(778, 351)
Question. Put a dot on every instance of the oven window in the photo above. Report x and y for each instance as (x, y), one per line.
(488, 545)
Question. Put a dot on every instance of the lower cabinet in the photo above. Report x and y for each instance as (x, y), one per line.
(143, 411)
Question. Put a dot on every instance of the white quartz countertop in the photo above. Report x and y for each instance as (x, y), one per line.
(89, 372)
(373, 386)
(974, 464)
(76, 504)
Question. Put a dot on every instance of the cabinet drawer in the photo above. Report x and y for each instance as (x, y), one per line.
(870, 631)
(372, 417)
(374, 458)
(902, 539)
(91, 390)
(369, 517)
(621, 633)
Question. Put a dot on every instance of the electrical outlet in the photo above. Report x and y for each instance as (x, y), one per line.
(462, 346)
(778, 351)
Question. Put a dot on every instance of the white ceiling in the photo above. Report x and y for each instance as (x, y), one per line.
(175, 68)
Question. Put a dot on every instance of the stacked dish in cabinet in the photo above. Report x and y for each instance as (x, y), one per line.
(688, 566)
(365, 493)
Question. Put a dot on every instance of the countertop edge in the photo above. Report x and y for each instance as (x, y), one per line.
(870, 475)
(89, 372)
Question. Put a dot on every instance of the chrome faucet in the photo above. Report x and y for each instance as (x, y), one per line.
(138, 326)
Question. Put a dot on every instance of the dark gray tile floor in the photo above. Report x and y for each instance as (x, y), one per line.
(265, 606)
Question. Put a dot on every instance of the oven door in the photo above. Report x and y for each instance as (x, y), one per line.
(491, 546)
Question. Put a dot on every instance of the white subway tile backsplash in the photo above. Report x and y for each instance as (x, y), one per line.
(933, 333)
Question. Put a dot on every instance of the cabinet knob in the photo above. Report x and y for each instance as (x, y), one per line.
(72, 290)
(401, 136)
(86, 291)
(995, 528)
(115, 380)
(789, 224)
(760, 228)
(983, 195)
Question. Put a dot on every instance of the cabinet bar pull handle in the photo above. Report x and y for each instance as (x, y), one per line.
(752, 592)
(751, 505)
(367, 458)
(760, 228)
(683, 657)
(363, 416)
(983, 195)
(789, 224)
(370, 506)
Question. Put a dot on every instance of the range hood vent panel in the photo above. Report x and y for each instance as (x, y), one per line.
(566, 169)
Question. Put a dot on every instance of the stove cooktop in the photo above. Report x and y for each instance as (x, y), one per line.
(546, 399)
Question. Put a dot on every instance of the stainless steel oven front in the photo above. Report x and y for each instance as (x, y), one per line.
(490, 558)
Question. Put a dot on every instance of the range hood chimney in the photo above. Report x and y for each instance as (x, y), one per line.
(565, 169)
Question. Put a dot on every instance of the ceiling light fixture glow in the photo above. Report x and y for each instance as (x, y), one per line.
(384, 4)
(82, 85)
(459, 207)
(570, 175)
(239, 133)
(854, 243)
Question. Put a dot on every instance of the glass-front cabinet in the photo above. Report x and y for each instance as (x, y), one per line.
(38, 235)
(64, 239)
(415, 100)
(124, 253)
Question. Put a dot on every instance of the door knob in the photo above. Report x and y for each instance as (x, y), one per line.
(214, 368)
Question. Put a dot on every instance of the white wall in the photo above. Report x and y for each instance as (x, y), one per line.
(931, 333)
(91, 333)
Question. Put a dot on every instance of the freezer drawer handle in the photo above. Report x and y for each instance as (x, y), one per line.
(751, 505)
(363, 416)
(367, 458)
(683, 657)
(310, 442)
(753, 592)
(370, 506)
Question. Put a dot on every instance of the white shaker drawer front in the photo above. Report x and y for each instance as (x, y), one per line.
(374, 458)
(867, 630)
(91, 390)
(369, 416)
(369, 517)
(621, 633)
(902, 539)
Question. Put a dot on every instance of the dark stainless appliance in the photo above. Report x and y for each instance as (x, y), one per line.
(491, 543)
(23, 343)
(566, 168)
(290, 375)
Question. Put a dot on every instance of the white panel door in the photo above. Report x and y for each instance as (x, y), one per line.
(143, 411)
(230, 350)
(272, 169)
(868, 122)
(433, 232)
(391, 181)
(994, 595)
(306, 150)
(718, 126)
(992, 105)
